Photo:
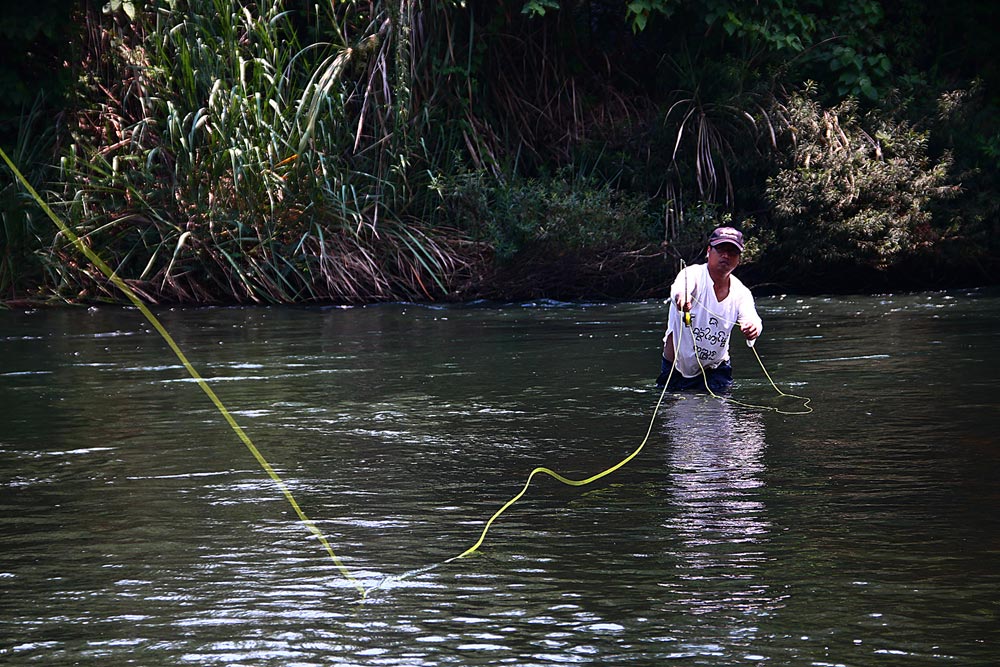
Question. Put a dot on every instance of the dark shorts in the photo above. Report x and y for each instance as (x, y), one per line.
(720, 378)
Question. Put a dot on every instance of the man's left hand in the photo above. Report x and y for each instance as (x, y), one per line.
(750, 330)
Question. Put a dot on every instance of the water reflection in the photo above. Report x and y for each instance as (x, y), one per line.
(719, 519)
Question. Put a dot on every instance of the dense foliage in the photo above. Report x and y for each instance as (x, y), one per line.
(864, 184)
(277, 151)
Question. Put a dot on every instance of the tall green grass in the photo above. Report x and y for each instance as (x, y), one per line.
(249, 154)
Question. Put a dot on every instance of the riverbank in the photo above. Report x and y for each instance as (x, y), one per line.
(625, 276)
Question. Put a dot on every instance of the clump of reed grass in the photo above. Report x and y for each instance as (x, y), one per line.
(242, 159)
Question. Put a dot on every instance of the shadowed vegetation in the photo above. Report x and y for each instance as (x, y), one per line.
(350, 152)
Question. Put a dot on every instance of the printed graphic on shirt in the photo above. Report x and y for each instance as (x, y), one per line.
(713, 340)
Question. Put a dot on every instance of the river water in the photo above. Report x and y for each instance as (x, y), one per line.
(137, 529)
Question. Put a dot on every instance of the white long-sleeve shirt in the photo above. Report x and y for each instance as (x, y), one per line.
(712, 320)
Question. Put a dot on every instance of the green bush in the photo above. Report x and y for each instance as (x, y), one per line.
(855, 190)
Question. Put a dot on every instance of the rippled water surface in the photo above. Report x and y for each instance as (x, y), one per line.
(137, 529)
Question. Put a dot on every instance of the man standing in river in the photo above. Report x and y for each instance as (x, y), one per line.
(697, 347)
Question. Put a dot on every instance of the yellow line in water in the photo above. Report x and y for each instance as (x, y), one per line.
(120, 284)
(564, 480)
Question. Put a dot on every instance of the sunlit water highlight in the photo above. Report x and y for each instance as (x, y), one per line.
(135, 528)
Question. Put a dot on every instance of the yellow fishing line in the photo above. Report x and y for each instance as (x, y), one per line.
(541, 470)
(564, 480)
(120, 284)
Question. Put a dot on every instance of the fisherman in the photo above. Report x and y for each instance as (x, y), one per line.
(709, 300)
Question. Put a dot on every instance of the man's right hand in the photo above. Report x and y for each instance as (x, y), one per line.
(685, 308)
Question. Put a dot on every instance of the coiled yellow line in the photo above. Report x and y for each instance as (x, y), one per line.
(541, 470)
(806, 407)
(565, 480)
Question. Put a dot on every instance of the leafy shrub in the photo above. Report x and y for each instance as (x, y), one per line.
(855, 190)
(966, 123)
(20, 218)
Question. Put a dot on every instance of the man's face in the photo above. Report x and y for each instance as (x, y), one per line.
(723, 257)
